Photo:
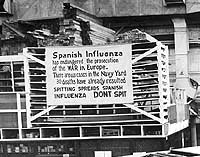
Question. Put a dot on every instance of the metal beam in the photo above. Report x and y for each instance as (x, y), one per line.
(42, 113)
(144, 113)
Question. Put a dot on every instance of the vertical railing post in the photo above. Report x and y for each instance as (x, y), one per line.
(27, 89)
(19, 115)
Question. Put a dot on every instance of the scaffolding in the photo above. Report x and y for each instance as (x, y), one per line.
(23, 81)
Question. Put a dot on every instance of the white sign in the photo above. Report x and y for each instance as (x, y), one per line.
(89, 75)
(103, 153)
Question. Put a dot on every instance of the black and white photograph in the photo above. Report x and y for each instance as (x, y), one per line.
(99, 78)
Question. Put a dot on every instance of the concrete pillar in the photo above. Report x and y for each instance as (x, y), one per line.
(182, 73)
(181, 53)
(193, 132)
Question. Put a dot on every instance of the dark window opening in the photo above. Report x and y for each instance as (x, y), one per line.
(1, 30)
(70, 132)
(2, 9)
(91, 131)
(10, 133)
(131, 130)
(50, 132)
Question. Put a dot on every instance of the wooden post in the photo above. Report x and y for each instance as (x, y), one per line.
(19, 115)
(27, 89)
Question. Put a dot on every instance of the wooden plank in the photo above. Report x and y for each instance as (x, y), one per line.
(37, 82)
(12, 58)
(145, 92)
(39, 103)
(148, 106)
(34, 58)
(147, 78)
(79, 109)
(42, 113)
(140, 50)
(145, 72)
(94, 35)
(144, 64)
(143, 45)
(149, 57)
(36, 96)
(102, 34)
(38, 75)
(145, 54)
(145, 86)
(97, 37)
(38, 89)
(95, 115)
(14, 30)
(35, 54)
(150, 115)
(95, 29)
(50, 122)
(19, 115)
(94, 39)
(145, 99)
